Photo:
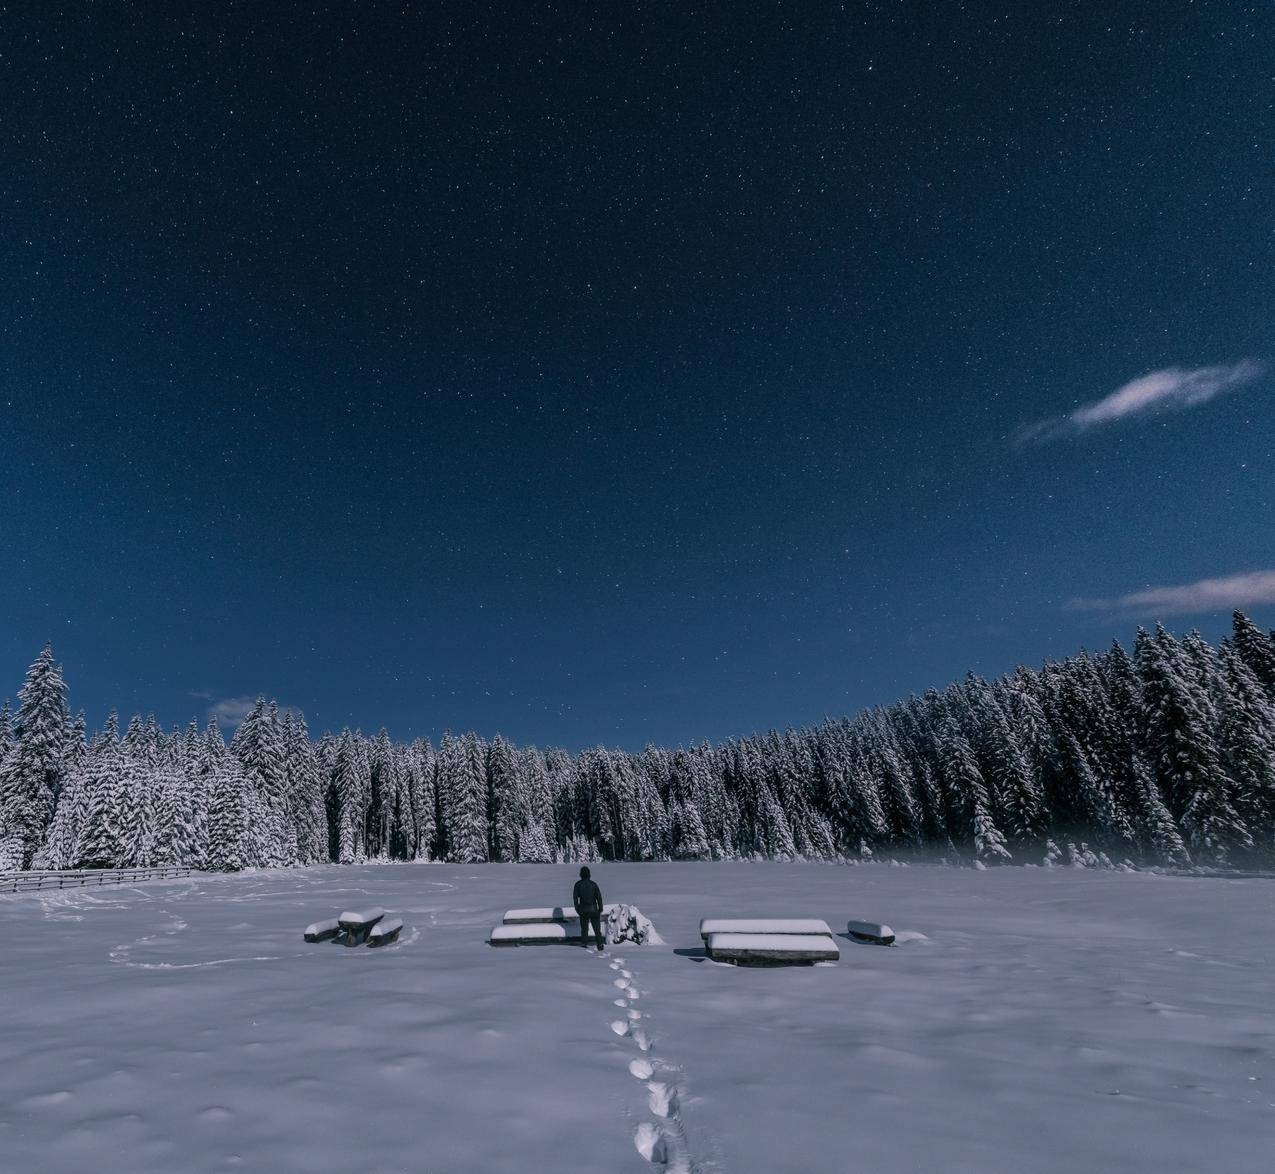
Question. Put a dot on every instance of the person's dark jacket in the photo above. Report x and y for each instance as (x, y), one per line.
(587, 897)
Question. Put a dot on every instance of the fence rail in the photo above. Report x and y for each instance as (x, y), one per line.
(28, 882)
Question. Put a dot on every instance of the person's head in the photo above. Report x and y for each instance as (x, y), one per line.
(584, 872)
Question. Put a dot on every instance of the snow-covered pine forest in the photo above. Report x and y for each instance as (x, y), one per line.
(1166, 757)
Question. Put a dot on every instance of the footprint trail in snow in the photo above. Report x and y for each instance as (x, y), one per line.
(661, 1142)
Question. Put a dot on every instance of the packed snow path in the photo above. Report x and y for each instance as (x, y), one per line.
(1050, 1021)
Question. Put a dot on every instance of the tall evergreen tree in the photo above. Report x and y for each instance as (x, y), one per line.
(503, 815)
(1183, 753)
(32, 771)
(1255, 649)
(1247, 739)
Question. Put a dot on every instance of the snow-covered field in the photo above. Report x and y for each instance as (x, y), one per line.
(1048, 1021)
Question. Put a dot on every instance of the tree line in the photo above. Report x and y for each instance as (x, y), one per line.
(1165, 756)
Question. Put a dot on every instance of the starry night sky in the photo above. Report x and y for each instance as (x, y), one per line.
(620, 372)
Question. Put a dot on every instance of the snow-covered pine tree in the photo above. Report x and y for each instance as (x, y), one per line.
(1247, 742)
(503, 816)
(1255, 649)
(895, 781)
(562, 770)
(346, 788)
(231, 843)
(1015, 796)
(180, 831)
(104, 782)
(139, 803)
(383, 786)
(858, 818)
(1029, 721)
(76, 742)
(462, 785)
(1183, 754)
(424, 803)
(258, 744)
(536, 833)
(1094, 753)
(688, 838)
(32, 771)
(306, 790)
(640, 827)
(970, 810)
(58, 849)
(1157, 830)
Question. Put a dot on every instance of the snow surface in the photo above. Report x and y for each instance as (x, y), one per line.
(1049, 1021)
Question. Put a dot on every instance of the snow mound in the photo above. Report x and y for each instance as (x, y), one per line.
(909, 935)
(627, 924)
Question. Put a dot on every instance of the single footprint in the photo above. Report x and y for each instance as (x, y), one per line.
(634, 993)
(621, 983)
(641, 1069)
(640, 1038)
(650, 1143)
(619, 1003)
(626, 974)
(615, 966)
(621, 1028)
(634, 1013)
(663, 1099)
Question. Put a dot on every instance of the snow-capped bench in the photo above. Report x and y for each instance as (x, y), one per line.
(358, 924)
(763, 925)
(385, 931)
(772, 948)
(353, 928)
(541, 933)
(872, 932)
(322, 931)
(549, 913)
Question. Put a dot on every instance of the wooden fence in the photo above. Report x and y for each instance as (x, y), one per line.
(27, 882)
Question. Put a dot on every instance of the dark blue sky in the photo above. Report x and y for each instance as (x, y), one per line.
(646, 372)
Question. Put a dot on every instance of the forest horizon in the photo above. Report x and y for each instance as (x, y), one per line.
(1164, 757)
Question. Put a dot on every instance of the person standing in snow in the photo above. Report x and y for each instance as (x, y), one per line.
(587, 898)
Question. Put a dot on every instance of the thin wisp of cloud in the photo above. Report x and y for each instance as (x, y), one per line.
(1172, 388)
(1206, 595)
